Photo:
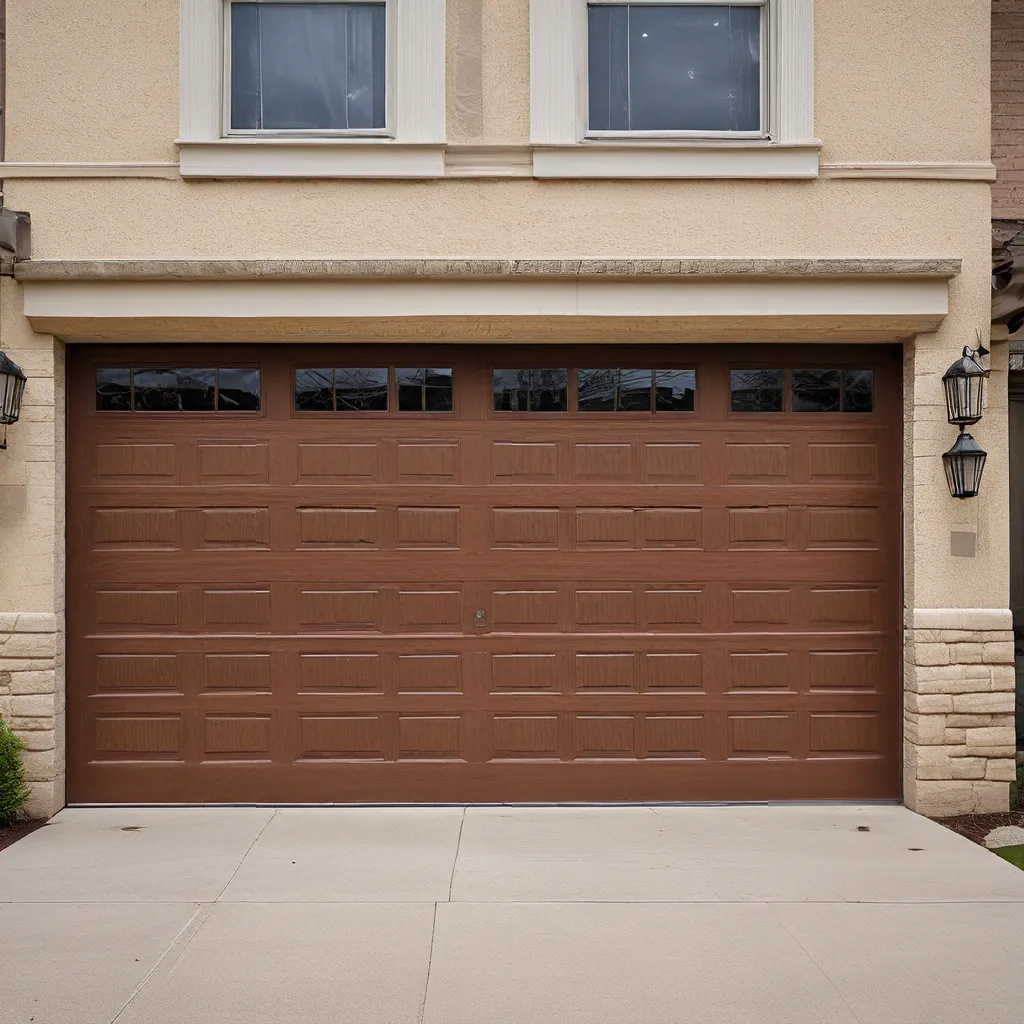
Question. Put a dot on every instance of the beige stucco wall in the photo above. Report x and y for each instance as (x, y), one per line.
(906, 82)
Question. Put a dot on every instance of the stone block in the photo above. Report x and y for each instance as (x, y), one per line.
(939, 754)
(30, 645)
(978, 721)
(954, 768)
(33, 705)
(46, 798)
(37, 740)
(1004, 677)
(40, 765)
(990, 797)
(940, 798)
(966, 654)
(33, 682)
(991, 742)
(1000, 769)
(925, 729)
(1000, 653)
(983, 704)
(955, 736)
(928, 703)
(36, 622)
(931, 654)
(948, 685)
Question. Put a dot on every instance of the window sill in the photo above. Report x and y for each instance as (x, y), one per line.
(309, 158)
(678, 159)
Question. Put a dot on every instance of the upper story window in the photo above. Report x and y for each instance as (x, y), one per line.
(308, 67)
(675, 68)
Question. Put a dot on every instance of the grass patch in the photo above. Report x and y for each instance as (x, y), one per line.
(1014, 854)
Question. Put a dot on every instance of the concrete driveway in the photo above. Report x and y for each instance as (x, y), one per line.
(664, 915)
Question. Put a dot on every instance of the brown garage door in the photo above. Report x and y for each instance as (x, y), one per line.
(471, 574)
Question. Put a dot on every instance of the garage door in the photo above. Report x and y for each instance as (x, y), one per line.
(483, 574)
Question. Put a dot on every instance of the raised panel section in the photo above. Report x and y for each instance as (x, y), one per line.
(605, 528)
(429, 737)
(526, 737)
(674, 736)
(248, 609)
(761, 736)
(845, 734)
(514, 462)
(139, 461)
(527, 672)
(842, 463)
(525, 527)
(237, 672)
(603, 462)
(672, 671)
(605, 736)
(137, 528)
(832, 528)
(430, 610)
(338, 527)
(340, 609)
(672, 607)
(613, 672)
(845, 607)
(604, 608)
(234, 463)
(429, 673)
(525, 610)
(672, 463)
(844, 670)
(341, 738)
(136, 672)
(757, 463)
(235, 527)
(137, 737)
(340, 673)
(348, 463)
(764, 528)
(136, 607)
(428, 528)
(428, 461)
(760, 670)
(237, 737)
(671, 528)
(761, 607)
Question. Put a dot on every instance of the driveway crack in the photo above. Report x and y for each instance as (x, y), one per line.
(455, 861)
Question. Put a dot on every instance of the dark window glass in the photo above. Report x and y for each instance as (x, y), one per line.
(858, 390)
(674, 390)
(314, 390)
(816, 390)
(114, 389)
(238, 390)
(424, 390)
(174, 390)
(757, 390)
(686, 67)
(361, 390)
(315, 66)
(614, 390)
(530, 390)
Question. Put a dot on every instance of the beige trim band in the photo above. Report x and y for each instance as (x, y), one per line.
(325, 270)
(912, 170)
(961, 618)
(145, 169)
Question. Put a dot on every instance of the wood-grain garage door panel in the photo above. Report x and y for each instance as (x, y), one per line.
(482, 605)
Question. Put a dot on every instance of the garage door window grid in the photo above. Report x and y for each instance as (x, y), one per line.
(368, 389)
(178, 389)
(810, 390)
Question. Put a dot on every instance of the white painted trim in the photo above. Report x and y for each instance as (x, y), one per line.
(735, 298)
(418, 97)
(558, 72)
(310, 158)
(980, 171)
(696, 160)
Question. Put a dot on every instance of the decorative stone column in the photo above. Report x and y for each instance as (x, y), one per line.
(959, 739)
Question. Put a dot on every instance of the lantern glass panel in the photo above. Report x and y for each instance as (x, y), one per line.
(964, 465)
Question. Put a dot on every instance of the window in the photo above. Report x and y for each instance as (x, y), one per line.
(811, 390)
(681, 68)
(178, 389)
(757, 390)
(618, 390)
(530, 391)
(311, 67)
(342, 390)
(426, 390)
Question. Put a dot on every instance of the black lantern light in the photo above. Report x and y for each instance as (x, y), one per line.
(12, 388)
(964, 383)
(964, 463)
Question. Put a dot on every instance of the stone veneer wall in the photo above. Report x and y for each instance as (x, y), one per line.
(959, 740)
(32, 702)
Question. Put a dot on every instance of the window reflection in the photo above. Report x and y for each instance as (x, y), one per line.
(314, 390)
(174, 390)
(361, 390)
(541, 390)
(620, 390)
(675, 390)
(238, 390)
(757, 390)
(858, 390)
(425, 390)
(816, 390)
(114, 389)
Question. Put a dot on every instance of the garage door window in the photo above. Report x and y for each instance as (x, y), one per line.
(620, 390)
(544, 390)
(425, 390)
(178, 389)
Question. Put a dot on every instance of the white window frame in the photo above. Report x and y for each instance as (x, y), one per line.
(564, 145)
(411, 145)
(390, 81)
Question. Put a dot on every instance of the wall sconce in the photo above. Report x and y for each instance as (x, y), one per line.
(964, 384)
(12, 388)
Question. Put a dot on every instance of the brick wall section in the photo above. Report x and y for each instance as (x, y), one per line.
(1008, 108)
(32, 702)
(959, 739)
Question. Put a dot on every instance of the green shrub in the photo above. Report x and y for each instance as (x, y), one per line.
(13, 792)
